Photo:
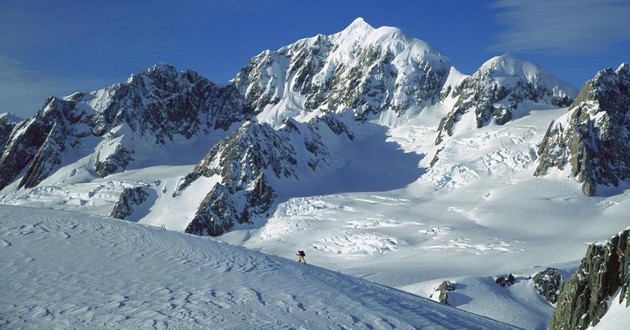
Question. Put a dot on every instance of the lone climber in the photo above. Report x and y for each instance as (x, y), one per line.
(301, 256)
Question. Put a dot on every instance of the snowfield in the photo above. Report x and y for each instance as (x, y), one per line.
(476, 214)
(69, 270)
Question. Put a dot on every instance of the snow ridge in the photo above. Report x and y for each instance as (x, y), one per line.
(124, 275)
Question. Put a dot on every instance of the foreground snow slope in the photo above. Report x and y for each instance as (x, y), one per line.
(72, 270)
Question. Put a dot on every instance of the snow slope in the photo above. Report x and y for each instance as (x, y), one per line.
(476, 214)
(68, 270)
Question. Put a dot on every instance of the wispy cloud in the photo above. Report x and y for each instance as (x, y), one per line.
(23, 90)
(13, 71)
(561, 26)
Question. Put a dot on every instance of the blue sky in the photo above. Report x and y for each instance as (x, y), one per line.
(58, 47)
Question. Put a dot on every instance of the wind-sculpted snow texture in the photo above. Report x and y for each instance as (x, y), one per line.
(498, 89)
(63, 270)
(592, 138)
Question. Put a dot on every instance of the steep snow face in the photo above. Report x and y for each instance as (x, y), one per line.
(592, 137)
(124, 275)
(360, 69)
(504, 88)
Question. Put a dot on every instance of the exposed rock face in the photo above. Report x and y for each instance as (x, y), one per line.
(548, 284)
(585, 297)
(22, 145)
(7, 124)
(505, 280)
(592, 137)
(129, 198)
(498, 89)
(241, 161)
(154, 106)
(245, 161)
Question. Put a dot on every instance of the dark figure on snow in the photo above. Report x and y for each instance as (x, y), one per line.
(301, 256)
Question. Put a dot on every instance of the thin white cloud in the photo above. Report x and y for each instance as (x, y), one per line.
(562, 26)
(13, 71)
(23, 91)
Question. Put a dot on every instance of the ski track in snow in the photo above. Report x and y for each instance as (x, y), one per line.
(63, 270)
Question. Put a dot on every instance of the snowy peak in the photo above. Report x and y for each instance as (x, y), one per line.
(360, 69)
(129, 121)
(507, 65)
(592, 137)
(502, 89)
(357, 29)
(507, 69)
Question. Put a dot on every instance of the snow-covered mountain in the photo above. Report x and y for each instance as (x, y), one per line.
(503, 88)
(366, 147)
(592, 138)
(360, 69)
(118, 127)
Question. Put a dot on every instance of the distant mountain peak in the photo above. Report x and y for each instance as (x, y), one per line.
(359, 24)
(509, 65)
(497, 91)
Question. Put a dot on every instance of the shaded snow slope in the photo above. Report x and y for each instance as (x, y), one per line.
(68, 270)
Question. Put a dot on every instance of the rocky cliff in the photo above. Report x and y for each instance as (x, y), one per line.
(592, 138)
(248, 160)
(129, 198)
(151, 108)
(604, 272)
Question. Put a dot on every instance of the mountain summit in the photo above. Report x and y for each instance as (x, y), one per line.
(502, 89)
(362, 69)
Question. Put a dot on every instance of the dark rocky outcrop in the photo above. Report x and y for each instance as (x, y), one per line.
(7, 124)
(548, 284)
(592, 138)
(129, 198)
(22, 146)
(242, 161)
(507, 280)
(604, 271)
